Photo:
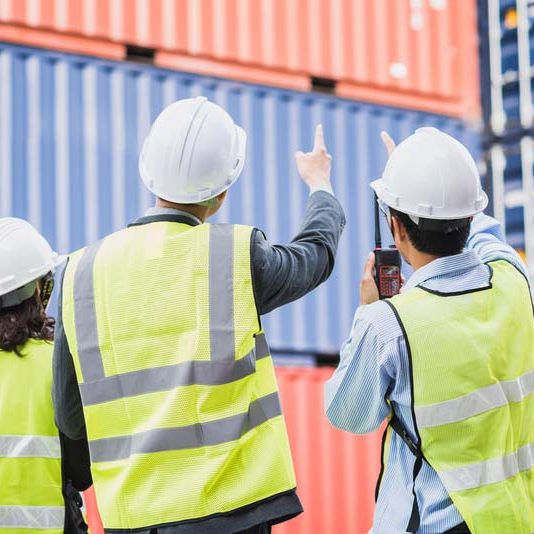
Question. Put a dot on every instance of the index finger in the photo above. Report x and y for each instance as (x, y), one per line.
(386, 139)
(319, 138)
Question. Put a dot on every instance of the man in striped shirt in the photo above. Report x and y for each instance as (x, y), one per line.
(449, 333)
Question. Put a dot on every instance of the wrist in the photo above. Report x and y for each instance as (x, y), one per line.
(327, 188)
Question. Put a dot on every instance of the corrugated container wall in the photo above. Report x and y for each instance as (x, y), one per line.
(336, 471)
(507, 62)
(71, 129)
(417, 54)
(510, 171)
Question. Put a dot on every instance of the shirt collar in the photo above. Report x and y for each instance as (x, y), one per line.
(167, 215)
(171, 211)
(443, 266)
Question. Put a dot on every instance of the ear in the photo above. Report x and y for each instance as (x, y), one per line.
(217, 203)
(399, 230)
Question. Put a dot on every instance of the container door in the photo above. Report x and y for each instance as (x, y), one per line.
(510, 172)
(510, 41)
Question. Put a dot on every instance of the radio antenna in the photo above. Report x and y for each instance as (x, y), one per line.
(378, 236)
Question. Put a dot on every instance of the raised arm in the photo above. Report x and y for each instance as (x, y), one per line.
(487, 241)
(284, 273)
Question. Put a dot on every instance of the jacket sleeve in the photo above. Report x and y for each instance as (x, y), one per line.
(65, 391)
(75, 462)
(284, 273)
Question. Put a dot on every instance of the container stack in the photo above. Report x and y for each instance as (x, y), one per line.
(81, 81)
(507, 56)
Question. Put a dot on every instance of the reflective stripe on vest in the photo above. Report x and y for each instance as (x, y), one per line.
(32, 517)
(477, 402)
(189, 388)
(154, 379)
(221, 288)
(489, 472)
(29, 447)
(85, 317)
(472, 367)
(188, 437)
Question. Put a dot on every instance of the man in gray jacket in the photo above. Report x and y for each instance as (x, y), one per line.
(190, 180)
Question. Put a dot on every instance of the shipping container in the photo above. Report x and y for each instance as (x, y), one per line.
(507, 61)
(90, 512)
(510, 173)
(336, 471)
(410, 53)
(71, 129)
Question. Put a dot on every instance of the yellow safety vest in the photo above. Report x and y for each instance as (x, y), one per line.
(31, 498)
(472, 369)
(178, 389)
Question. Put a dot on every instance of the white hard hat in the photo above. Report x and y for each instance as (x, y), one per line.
(433, 176)
(26, 257)
(194, 152)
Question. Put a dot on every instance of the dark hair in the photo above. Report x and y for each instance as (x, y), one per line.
(25, 321)
(435, 242)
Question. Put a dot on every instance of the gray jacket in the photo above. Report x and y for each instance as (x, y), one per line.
(281, 274)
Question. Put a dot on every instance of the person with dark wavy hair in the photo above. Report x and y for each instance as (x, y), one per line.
(25, 321)
(38, 475)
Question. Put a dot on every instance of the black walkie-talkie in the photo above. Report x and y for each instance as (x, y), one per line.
(387, 263)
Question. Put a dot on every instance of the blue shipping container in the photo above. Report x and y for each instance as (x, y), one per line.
(71, 129)
(507, 60)
(510, 170)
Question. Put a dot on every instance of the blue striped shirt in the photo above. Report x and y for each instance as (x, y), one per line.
(374, 369)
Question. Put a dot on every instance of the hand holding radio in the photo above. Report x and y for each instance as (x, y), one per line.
(380, 281)
(368, 288)
(386, 261)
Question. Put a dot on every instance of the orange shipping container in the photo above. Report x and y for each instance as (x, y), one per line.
(336, 471)
(409, 53)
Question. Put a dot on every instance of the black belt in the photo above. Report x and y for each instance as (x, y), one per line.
(396, 425)
(415, 448)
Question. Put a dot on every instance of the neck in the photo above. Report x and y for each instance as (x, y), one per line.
(420, 259)
(201, 212)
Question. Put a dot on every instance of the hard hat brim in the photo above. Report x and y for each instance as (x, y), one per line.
(379, 187)
(59, 259)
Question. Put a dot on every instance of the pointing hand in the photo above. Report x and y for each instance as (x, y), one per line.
(390, 144)
(368, 288)
(314, 167)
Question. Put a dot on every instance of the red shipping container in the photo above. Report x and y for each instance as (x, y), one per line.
(336, 471)
(409, 53)
(91, 512)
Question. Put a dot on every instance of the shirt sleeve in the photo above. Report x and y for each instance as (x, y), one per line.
(355, 396)
(487, 241)
(284, 273)
(65, 391)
